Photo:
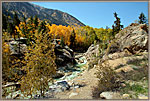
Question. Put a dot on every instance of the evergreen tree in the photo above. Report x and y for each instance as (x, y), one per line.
(117, 25)
(24, 19)
(96, 37)
(35, 21)
(107, 27)
(142, 18)
(10, 29)
(16, 20)
(30, 20)
(62, 42)
(92, 35)
(4, 22)
(42, 27)
(24, 27)
(72, 39)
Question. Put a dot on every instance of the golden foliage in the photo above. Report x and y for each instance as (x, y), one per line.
(5, 57)
(40, 65)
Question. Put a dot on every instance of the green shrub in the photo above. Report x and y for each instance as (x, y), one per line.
(108, 79)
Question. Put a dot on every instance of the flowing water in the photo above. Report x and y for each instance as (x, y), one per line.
(76, 69)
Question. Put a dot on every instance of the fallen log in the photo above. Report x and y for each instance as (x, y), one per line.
(12, 84)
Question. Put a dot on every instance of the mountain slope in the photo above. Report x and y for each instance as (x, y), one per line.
(27, 9)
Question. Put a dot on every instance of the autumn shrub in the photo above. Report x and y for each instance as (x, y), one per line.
(11, 64)
(108, 79)
(5, 58)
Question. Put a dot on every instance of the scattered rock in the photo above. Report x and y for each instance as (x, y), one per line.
(94, 66)
(68, 73)
(110, 95)
(16, 47)
(16, 96)
(78, 56)
(76, 86)
(59, 86)
(125, 69)
(123, 85)
(36, 96)
(81, 61)
(58, 75)
(141, 96)
(69, 65)
(126, 96)
(48, 95)
(117, 55)
(73, 94)
(71, 83)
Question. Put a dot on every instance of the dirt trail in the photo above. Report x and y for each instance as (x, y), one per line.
(88, 80)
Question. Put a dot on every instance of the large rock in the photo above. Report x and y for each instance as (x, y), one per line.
(58, 75)
(93, 51)
(110, 95)
(59, 86)
(64, 55)
(18, 46)
(133, 38)
(141, 96)
(126, 96)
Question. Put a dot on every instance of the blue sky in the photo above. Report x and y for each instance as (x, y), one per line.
(100, 14)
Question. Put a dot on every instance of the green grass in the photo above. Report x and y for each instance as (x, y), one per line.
(136, 88)
(134, 67)
(139, 62)
(119, 66)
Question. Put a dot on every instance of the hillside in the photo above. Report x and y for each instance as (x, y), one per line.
(27, 9)
(121, 73)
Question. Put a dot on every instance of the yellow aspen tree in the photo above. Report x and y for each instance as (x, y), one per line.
(40, 65)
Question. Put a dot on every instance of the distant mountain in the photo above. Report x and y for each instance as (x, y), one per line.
(27, 9)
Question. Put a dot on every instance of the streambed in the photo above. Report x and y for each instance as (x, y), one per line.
(59, 85)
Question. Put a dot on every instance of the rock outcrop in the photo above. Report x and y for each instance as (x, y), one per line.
(18, 47)
(93, 51)
(133, 38)
(127, 56)
(64, 55)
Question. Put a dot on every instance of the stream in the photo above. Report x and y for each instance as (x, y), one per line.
(60, 84)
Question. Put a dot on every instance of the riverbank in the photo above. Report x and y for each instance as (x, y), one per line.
(59, 85)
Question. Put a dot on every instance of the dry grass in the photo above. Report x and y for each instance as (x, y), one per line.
(108, 79)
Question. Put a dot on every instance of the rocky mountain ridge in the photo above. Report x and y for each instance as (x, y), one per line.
(28, 9)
